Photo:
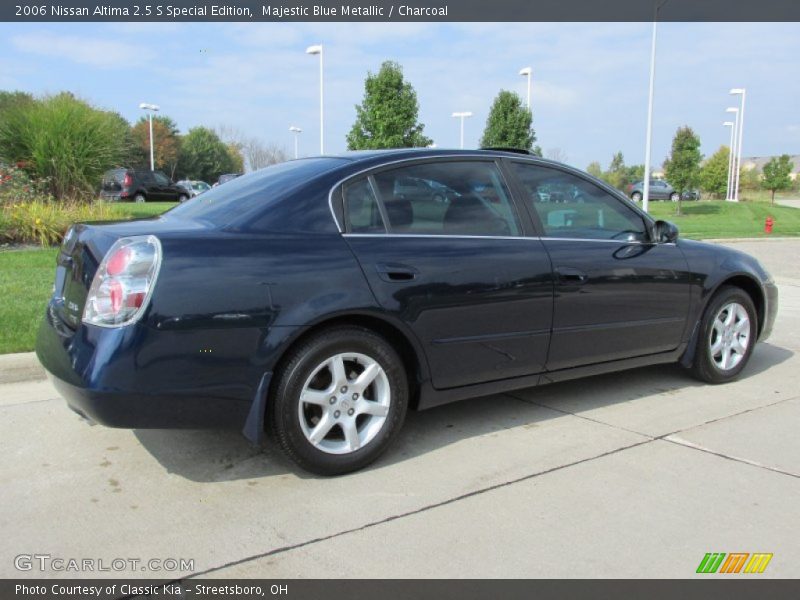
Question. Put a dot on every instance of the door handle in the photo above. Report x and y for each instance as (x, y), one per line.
(571, 276)
(394, 272)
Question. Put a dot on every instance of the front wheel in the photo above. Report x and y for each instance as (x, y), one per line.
(674, 197)
(636, 196)
(727, 335)
(340, 400)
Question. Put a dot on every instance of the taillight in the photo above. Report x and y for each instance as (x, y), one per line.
(124, 282)
(128, 181)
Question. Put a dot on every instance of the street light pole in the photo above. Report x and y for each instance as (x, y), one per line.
(649, 136)
(730, 124)
(317, 49)
(736, 174)
(527, 72)
(151, 108)
(296, 131)
(462, 116)
(732, 159)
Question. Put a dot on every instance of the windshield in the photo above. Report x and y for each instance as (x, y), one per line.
(255, 191)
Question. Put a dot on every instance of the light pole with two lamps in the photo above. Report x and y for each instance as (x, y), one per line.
(462, 116)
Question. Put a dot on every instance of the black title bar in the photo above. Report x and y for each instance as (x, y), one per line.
(412, 10)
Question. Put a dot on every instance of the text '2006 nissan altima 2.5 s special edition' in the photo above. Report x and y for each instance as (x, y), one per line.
(316, 301)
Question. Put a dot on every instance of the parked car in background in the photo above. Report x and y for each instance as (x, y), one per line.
(659, 190)
(414, 188)
(131, 185)
(309, 301)
(227, 177)
(195, 188)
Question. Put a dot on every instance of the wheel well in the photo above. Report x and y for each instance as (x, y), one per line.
(398, 340)
(754, 291)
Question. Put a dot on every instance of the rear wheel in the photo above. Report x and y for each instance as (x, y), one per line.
(636, 196)
(139, 198)
(340, 400)
(727, 336)
(674, 197)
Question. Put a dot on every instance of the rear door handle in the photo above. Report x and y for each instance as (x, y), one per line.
(394, 272)
(571, 276)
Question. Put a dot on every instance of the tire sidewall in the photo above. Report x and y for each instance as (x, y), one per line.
(285, 423)
(704, 366)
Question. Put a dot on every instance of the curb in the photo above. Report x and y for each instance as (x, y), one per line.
(756, 239)
(20, 367)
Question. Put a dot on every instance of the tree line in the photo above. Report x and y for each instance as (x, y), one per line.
(68, 144)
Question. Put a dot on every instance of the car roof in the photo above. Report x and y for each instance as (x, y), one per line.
(376, 157)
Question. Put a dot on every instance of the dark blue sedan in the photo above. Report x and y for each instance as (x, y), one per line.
(316, 301)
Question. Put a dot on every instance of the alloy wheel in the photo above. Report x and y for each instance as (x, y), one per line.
(344, 403)
(729, 336)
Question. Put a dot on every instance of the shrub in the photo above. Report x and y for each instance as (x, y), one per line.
(45, 222)
(64, 141)
(16, 186)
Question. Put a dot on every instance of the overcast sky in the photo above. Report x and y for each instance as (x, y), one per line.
(589, 83)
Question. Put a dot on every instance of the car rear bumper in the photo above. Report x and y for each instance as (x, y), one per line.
(138, 377)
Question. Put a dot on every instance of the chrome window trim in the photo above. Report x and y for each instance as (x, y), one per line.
(505, 237)
(482, 157)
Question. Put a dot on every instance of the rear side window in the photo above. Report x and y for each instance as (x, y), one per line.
(467, 198)
(361, 206)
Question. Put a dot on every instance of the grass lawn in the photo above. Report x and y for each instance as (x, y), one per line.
(132, 210)
(26, 282)
(720, 219)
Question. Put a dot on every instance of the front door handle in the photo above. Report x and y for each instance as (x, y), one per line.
(395, 272)
(571, 276)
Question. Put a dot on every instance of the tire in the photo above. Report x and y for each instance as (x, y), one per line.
(674, 197)
(729, 305)
(183, 198)
(139, 198)
(636, 196)
(308, 372)
(438, 198)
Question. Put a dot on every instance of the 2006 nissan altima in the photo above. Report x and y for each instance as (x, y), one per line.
(316, 301)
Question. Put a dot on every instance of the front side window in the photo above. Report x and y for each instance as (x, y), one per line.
(466, 198)
(571, 207)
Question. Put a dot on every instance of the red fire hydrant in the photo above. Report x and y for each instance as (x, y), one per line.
(768, 225)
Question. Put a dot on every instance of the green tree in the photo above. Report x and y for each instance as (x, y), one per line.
(777, 175)
(204, 156)
(388, 116)
(166, 143)
(63, 140)
(682, 168)
(237, 158)
(13, 100)
(595, 170)
(509, 124)
(617, 174)
(714, 174)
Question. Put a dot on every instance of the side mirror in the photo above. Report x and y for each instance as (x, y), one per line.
(664, 232)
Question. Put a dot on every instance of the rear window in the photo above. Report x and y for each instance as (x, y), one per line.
(114, 176)
(253, 192)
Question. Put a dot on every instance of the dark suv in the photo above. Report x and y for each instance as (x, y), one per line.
(121, 185)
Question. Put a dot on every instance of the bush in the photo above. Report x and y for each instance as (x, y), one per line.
(16, 187)
(63, 141)
(45, 222)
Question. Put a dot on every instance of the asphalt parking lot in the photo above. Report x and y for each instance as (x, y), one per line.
(637, 474)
